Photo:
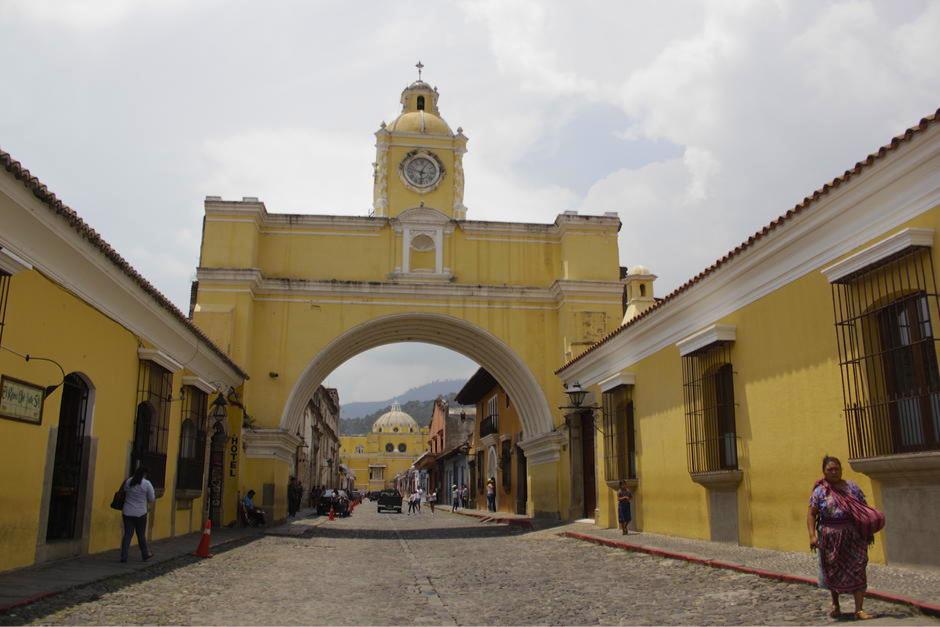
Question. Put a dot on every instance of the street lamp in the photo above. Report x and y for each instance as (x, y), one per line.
(576, 396)
(218, 413)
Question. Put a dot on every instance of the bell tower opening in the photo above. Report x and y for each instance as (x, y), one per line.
(420, 103)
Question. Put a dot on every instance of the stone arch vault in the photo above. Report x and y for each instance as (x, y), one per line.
(446, 331)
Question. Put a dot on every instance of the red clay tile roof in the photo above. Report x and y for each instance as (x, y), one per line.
(799, 208)
(68, 214)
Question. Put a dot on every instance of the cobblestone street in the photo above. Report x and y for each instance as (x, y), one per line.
(398, 569)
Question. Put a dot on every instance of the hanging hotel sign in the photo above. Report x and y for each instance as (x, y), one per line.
(20, 400)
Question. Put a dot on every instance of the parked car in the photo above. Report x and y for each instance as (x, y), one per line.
(337, 499)
(389, 500)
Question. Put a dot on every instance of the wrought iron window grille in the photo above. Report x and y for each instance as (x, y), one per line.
(151, 427)
(708, 396)
(619, 434)
(4, 296)
(193, 439)
(884, 320)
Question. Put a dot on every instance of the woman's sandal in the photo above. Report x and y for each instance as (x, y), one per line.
(863, 615)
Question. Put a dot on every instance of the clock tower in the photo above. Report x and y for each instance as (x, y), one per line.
(418, 158)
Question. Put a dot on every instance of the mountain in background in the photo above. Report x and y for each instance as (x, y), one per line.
(426, 392)
(419, 410)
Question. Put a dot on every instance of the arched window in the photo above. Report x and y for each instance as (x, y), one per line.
(422, 242)
(395, 429)
(360, 449)
(411, 429)
(402, 448)
(642, 289)
(154, 392)
(389, 447)
(420, 103)
(192, 455)
(188, 440)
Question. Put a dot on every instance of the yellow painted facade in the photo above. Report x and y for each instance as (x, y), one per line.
(776, 315)
(65, 302)
(297, 295)
(375, 466)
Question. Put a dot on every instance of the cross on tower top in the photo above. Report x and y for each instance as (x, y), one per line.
(420, 66)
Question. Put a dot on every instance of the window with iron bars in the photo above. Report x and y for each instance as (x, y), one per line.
(4, 293)
(708, 387)
(505, 464)
(884, 318)
(192, 455)
(490, 424)
(619, 434)
(480, 471)
(151, 427)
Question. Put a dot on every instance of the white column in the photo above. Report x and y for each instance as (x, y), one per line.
(439, 251)
(406, 250)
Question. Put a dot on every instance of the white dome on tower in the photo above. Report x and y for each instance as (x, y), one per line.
(395, 421)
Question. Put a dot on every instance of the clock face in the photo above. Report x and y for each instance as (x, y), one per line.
(422, 172)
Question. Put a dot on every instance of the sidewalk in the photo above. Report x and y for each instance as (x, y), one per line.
(919, 587)
(27, 585)
(503, 518)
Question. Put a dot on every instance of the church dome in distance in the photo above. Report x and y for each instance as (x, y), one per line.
(395, 421)
(638, 271)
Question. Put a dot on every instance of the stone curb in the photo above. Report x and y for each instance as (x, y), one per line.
(518, 522)
(45, 595)
(927, 608)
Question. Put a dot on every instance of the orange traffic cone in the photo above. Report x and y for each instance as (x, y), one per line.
(332, 513)
(203, 550)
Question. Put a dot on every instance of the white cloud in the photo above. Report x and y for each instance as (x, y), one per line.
(132, 112)
(86, 14)
(294, 170)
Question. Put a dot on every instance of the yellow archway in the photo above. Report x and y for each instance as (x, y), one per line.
(441, 330)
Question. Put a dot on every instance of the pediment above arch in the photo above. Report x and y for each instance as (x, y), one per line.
(422, 216)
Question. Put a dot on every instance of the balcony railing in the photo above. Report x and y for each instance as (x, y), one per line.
(489, 425)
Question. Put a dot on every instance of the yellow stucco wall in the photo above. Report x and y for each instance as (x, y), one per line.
(789, 413)
(374, 454)
(41, 320)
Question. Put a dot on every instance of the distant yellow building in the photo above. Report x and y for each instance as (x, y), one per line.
(395, 443)
(815, 336)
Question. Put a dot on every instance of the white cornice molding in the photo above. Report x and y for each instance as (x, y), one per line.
(271, 444)
(882, 250)
(565, 288)
(708, 335)
(544, 448)
(12, 263)
(884, 196)
(160, 358)
(424, 286)
(199, 383)
(618, 380)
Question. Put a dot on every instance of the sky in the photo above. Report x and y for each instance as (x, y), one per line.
(697, 122)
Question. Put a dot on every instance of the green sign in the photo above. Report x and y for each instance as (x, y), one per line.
(20, 400)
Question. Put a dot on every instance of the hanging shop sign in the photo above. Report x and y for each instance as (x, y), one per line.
(20, 400)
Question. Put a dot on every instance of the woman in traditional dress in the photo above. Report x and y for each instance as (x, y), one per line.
(841, 526)
(624, 496)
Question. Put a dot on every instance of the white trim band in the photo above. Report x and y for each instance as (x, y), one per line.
(624, 378)
(708, 335)
(199, 383)
(12, 263)
(160, 358)
(876, 252)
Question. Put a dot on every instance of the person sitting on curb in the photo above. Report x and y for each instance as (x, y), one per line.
(255, 515)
